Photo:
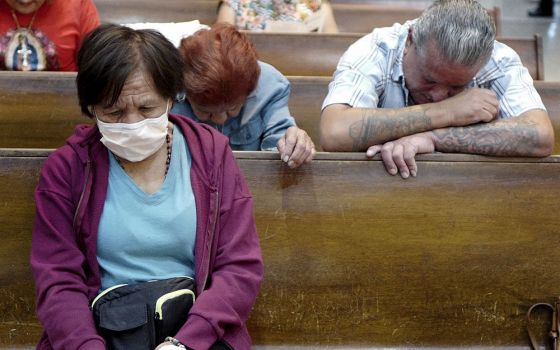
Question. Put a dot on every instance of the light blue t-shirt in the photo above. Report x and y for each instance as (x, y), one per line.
(264, 118)
(144, 237)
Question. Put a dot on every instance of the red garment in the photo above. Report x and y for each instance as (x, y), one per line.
(59, 26)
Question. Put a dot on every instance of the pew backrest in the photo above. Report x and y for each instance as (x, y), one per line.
(312, 54)
(308, 94)
(135, 11)
(350, 18)
(362, 18)
(358, 258)
(40, 109)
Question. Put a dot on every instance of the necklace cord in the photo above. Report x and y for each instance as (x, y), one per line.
(14, 16)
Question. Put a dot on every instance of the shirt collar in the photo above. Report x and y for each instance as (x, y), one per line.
(397, 74)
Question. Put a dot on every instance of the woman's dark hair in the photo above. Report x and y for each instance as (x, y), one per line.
(110, 53)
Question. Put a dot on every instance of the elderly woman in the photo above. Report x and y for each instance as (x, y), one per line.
(142, 195)
(245, 99)
(43, 34)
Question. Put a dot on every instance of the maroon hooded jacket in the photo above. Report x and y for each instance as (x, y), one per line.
(69, 201)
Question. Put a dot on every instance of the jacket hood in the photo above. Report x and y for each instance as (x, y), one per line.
(84, 137)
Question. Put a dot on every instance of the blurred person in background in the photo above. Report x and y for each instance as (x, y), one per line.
(279, 16)
(545, 8)
(40, 35)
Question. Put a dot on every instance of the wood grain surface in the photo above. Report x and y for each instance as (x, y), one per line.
(356, 257)
(40, 110)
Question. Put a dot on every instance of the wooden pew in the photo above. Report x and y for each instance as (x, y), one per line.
(318, 54)
(362, 18)
(133, 11)
(308, 94)
(40, 110)
(351, 18)
(357, 258)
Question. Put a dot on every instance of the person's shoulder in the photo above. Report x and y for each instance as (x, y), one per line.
(204, 135)
(62, 156)
(78, 3)
(503, 59)
(271, 82)
(503, 54)
(270, 74)
(69, 4)
(182, 107)
(58, 169)
(71, 10)
(76, 146)
(390, 37)
(384, 39)
(207, 146)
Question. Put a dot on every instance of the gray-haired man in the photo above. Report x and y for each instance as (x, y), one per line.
(438, 83)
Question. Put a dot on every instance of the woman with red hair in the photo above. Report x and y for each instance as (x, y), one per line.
(247, 100)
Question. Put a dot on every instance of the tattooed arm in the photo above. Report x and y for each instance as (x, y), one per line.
(529, 135)
(344, 128)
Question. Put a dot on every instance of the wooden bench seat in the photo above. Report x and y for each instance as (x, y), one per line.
(358, 258)
(362, 18)
(40, 109)
(318, 54)
(350, 18)
(134, 11)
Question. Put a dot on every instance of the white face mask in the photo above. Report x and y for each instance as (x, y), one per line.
(135, 141)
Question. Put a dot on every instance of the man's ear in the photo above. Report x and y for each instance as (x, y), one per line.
(408, 43)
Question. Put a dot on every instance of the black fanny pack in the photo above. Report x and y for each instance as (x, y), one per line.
(140, 316)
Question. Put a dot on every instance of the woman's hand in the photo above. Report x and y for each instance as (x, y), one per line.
(296, 147)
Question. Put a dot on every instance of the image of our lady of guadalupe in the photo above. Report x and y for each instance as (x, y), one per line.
(27, 50)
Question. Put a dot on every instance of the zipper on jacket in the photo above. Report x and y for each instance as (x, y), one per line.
(75, 222)
(210, 236)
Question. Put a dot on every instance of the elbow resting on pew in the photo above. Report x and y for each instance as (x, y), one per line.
(547, 138)
(333, 130)
(539, 142)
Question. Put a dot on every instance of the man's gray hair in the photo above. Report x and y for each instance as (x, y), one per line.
(462, 31)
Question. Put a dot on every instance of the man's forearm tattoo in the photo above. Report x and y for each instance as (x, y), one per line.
(519, 138)
(378, 126)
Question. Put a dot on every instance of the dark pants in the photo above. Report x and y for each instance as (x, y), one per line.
(544, 9)
(546, 5)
